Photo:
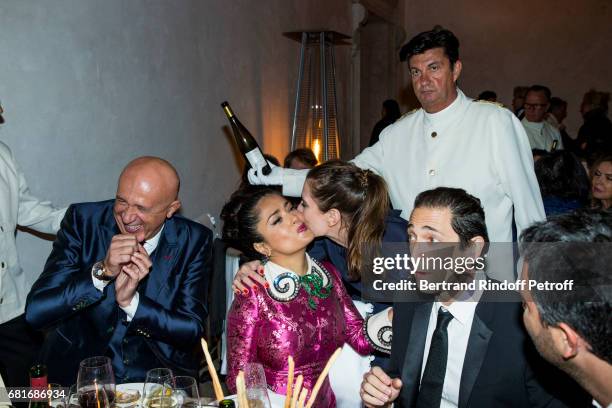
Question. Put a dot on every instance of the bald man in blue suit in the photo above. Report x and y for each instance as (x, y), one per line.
(127, 278)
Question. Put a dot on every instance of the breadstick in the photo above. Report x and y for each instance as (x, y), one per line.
(315, 389)
(296, 390)
(302, 398)
(213, 372)
(243, 401)
(289, 382)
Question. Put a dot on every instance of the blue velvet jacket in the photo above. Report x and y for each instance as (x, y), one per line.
(82, 321)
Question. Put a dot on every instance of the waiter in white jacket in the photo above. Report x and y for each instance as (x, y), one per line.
(18, 343)
(451, 141)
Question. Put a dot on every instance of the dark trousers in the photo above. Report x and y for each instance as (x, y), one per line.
(19, 347)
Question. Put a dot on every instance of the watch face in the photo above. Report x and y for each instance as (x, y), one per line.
(98, 271)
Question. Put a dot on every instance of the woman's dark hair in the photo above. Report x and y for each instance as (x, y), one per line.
(560, 174)
(436, 38)
(362, 199)
(392, 109)
(598, 100)
(606, 157)
(304, 155)
(240, 217)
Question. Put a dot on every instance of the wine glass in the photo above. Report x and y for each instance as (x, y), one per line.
(157, 390)
(185, 392)
(72, 397)
(96, 383)
(55, 398)
(256, 386)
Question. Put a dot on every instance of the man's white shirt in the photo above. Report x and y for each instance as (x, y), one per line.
(541, 135)
(130, 310)
(458, 335)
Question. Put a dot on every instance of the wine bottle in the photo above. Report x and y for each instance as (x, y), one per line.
(38, 381)
(246, 142)
(227, 403)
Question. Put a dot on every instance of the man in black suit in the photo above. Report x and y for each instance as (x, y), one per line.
(459, 347)
(572, 329)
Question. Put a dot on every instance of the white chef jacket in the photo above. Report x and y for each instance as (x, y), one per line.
(18, 207)
(542, 134)
(475, 145)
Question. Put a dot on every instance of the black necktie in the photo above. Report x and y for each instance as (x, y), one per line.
(432, 382)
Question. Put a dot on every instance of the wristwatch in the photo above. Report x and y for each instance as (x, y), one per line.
(98, 271)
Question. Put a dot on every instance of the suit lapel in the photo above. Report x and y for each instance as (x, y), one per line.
(480, 334)
(413, 360)
(164, 259)
(107, 310)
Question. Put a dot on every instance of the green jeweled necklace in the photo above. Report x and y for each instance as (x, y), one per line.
(317, 284)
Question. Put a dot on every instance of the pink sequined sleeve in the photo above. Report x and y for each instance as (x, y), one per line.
(242, 322)
(355, 335)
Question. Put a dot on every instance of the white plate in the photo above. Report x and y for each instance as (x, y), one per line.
(130, 387)
(276, 400)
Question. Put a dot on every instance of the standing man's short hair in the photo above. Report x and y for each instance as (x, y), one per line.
(540, 88)
(436, 38)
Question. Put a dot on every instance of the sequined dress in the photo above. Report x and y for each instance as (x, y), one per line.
(266, 326)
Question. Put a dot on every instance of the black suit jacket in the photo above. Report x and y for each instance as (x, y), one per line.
(83, 321)
(498, 370)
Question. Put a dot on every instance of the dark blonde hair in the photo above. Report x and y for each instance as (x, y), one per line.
(596, 203)
(362, 199)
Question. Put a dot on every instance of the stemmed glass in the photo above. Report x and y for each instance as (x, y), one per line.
(256, 386)
(157, 390)
(96, 383)
(185, 392)
(72, 398)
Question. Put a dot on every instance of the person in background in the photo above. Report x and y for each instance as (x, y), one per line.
(390, 113)
(595, 134)
(19, 344)
(563, 182)
(490, 96)
(302, 158)
(572, 329)
(127, 278)
(557, 112)
(601, 182)
(518, 100)
(541, 134)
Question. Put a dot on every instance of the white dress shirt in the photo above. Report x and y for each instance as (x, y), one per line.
(130, 310)
(18, 207)
(542, 134)
(458, 334)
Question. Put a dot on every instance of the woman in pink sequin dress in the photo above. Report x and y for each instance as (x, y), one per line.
(303, 310)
